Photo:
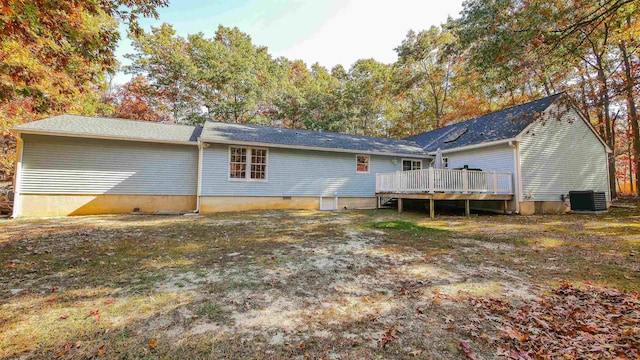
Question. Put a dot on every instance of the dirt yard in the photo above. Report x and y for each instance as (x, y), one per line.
(332, 285)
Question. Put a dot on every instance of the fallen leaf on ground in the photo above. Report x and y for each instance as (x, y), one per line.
(466, 349)
(594, 322)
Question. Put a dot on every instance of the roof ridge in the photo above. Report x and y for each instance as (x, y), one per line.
(120, 119)
(308, 131)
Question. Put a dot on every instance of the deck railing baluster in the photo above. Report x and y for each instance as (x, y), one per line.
(444, 180)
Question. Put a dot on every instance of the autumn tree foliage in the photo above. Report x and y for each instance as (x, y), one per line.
(54, 55)
(138, 100)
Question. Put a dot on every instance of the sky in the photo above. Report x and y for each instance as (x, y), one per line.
(328, 32)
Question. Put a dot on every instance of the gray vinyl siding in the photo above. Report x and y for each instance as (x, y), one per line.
(560, 156)
(69, 165)
(293, 172)
(493, 158)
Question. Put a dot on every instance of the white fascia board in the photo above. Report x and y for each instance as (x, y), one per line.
(474, 146)
(314, 148)
(103, 137)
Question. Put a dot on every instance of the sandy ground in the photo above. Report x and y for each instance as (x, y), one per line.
(290, 284)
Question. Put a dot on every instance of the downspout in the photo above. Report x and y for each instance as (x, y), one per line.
(17, 196)
(518, 174)
(199, 180)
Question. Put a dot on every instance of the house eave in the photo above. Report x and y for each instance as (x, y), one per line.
(313, 148)
(101, 137)
(474, 146)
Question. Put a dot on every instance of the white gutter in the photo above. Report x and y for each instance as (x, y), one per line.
(201, 146)
(315, 148)
(518, 174)
(104, 137)
(476, 146)
(17, 196)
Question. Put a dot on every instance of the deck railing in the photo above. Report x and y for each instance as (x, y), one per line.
(444, 180)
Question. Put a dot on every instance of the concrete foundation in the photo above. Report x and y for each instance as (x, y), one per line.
(39, 205)
(214, 204)
(543, 207)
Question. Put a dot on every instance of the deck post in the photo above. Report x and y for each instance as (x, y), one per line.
(465, 181)
(467, 208)
(495, 182)
(399, 204)
(432, 180)
(378, 205)
(505, 207)
(432, 208)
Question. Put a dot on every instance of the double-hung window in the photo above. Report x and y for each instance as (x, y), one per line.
(408, 165)
(248, 163)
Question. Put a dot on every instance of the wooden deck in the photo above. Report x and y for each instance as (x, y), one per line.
(444, 184)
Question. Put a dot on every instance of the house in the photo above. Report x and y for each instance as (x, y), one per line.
(73, 165)
(547, 144)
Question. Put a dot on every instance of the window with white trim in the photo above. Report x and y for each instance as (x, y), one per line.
(362, 163)
(258, 164)
(247, 163)
(408, 165)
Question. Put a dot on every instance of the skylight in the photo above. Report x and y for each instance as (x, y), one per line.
(455, 135)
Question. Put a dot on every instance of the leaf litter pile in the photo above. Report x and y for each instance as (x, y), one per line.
(590, 323)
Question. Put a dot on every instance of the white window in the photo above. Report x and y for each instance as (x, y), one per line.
(408, 165)
(247, 163)
(258, 164)
(362, 163)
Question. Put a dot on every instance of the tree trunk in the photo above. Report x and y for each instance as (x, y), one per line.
(609, 129)
(632, 113)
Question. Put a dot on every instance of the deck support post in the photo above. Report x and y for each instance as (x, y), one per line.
(465, 181)
(399, 204)
(432, 208)
(378, 204)
(432, 180)
(467, 208)
(505, 207)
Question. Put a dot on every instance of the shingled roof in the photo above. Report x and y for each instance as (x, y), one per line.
(500, 125)
(101, 127)
(217, 132)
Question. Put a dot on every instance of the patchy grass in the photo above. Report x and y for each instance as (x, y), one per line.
(406, 226)
(294, 284)
(210, 311)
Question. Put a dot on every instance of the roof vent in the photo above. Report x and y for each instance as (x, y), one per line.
(455, 135)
